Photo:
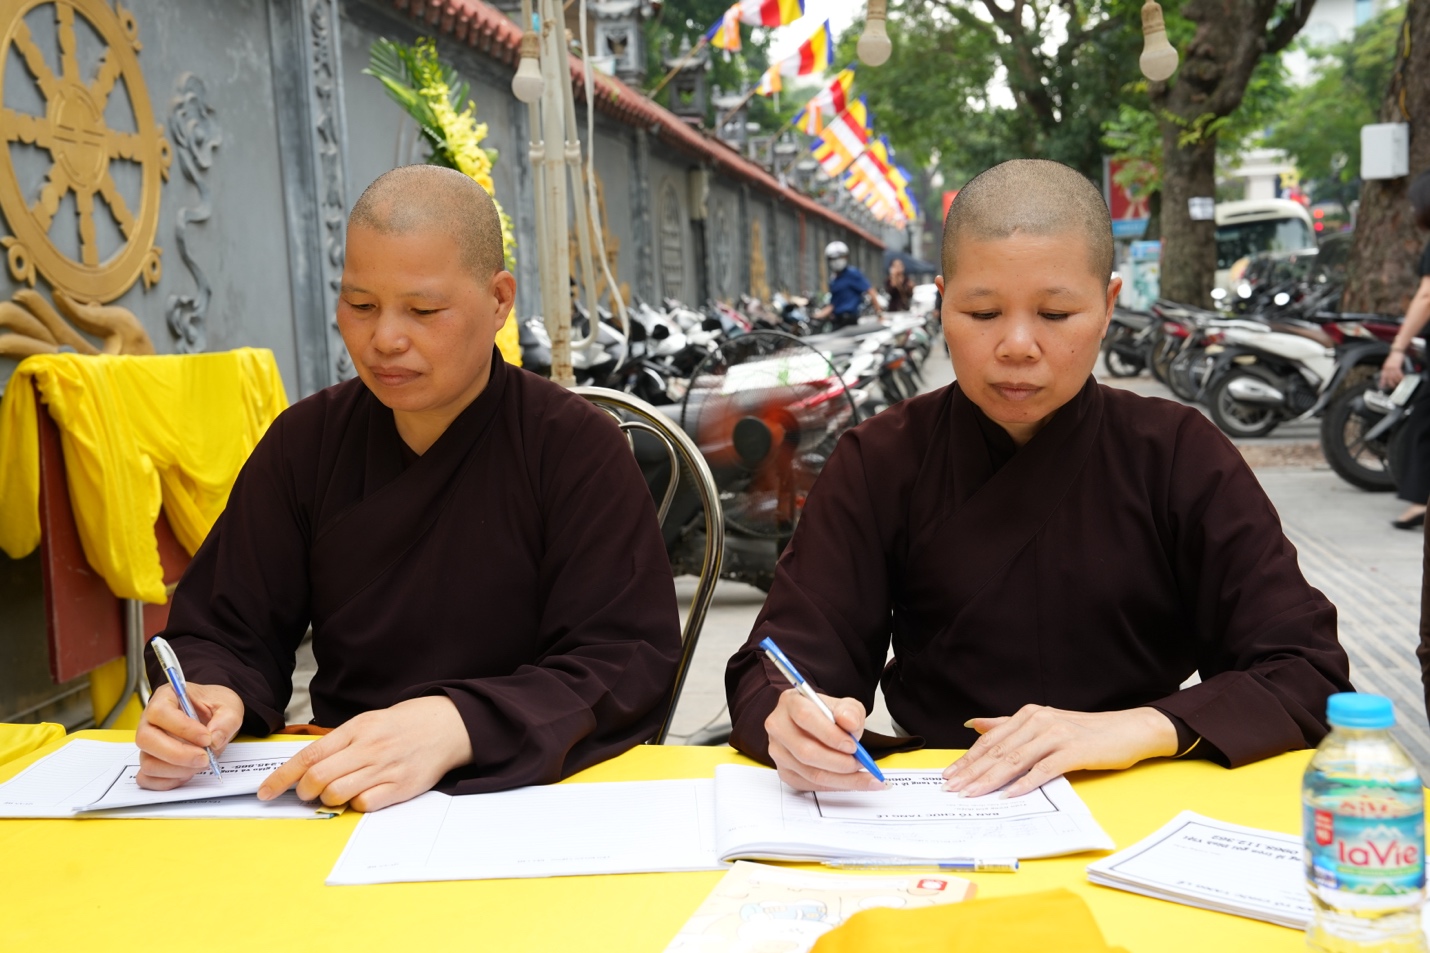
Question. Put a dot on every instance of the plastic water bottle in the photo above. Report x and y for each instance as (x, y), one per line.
(1364, 828)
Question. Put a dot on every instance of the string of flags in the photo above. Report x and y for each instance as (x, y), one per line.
(845, 145)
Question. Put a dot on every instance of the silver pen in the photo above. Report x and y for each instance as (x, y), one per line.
(1001, 865)
(165, 653)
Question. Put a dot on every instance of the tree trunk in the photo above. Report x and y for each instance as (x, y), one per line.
(1381, 273)
(1188, 247)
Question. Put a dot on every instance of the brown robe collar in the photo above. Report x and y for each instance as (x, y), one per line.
(400, 502)
(988, 510)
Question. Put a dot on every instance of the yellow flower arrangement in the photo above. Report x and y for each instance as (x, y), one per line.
(430, 91)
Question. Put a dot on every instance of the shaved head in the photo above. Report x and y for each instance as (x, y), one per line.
(1034, 197)
(430, 198)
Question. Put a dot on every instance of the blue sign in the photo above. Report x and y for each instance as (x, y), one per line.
(1129, 227)
(1145, 251)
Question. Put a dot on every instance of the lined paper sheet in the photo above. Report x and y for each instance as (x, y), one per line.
(96, 775)
(561, 830)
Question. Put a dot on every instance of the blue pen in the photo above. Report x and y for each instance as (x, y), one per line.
(787, 668)
(165, 653)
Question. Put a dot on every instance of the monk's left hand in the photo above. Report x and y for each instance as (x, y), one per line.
(378, 758)
(1038, 744)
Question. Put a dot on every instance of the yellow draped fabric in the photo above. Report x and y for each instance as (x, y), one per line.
(16, 741)
(137, 433)
(1027, 923)
(509, 341)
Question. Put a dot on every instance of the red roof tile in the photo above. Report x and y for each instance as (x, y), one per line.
(490, 31)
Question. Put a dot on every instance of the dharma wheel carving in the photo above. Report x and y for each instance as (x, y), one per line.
(82, 151)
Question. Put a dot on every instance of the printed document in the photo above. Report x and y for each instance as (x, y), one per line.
(745, 812)
(88, 778)
(1216, 866)
(757, 907)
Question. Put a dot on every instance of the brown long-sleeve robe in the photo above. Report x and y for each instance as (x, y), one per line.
(515, 567)
(1124, 547)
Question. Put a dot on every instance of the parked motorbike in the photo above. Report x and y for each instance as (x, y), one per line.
(1361, 427)
(1127, 349)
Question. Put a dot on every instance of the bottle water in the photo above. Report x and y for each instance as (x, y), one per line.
(1363, 811)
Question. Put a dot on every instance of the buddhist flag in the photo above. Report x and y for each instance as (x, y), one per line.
(844, 139)
(725, 35)
(825, 104)
(770, 82)
(816, 54)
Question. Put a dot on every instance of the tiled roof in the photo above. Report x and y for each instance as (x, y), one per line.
(491, 32)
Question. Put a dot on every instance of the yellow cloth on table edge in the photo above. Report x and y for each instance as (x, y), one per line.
(137, 433)
(1025, 923)
(16, 741)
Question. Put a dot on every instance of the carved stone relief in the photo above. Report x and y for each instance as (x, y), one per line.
(99, 254)
(787, 254)
(196, 135)
(725, 244)
(328, 132)
(672, 243)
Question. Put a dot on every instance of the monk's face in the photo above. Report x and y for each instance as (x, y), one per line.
(417, 321)
(1024, 317)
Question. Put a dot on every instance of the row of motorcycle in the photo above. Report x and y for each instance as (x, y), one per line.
(763, 389)
(1295, 357)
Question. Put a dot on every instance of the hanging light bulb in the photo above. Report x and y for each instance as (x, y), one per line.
(527, 85)
(1159, 58)
(874, 46)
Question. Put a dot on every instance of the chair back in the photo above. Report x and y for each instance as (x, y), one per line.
(86, 625)
(635, 415)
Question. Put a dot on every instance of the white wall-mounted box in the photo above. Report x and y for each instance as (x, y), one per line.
(1385, 150)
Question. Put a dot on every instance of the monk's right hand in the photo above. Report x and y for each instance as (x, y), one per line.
(813, 753)
(171, 744)
(1392, 372)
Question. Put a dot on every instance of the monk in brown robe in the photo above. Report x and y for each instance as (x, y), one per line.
(474, 547)
(1050, 558)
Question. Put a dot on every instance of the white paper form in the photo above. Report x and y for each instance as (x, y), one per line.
(560, 830)
(95, 775)
(760, 817)
(1216, 866)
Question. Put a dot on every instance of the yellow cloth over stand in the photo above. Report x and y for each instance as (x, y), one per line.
(1025, 923)
(137, 433)
(16, 741)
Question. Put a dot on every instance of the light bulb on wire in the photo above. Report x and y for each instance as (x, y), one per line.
(1159, 58)
(527, 85)
(874, 46)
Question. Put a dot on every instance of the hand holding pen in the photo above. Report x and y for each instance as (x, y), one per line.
(813, 739)
(175, 745)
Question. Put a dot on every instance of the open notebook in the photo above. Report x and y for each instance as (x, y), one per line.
(745, 812)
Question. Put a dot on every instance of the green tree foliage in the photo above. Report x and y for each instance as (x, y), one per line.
(1134, 135)
(1319, 125)
(933, 100)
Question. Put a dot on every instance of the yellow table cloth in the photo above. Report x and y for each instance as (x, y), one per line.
(137, 433)
(242, 885)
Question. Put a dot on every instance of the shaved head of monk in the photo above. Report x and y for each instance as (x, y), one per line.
(1027, 289)
(423, 295)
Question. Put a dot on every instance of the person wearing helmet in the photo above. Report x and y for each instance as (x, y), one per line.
(847, 288)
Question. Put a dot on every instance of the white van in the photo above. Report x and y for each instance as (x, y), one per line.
(1246, 228)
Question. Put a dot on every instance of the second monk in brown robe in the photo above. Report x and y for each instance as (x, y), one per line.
(1049, 558)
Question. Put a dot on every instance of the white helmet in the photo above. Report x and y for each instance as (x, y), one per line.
(836, 250)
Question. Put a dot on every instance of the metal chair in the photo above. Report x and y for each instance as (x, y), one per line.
(633, 414)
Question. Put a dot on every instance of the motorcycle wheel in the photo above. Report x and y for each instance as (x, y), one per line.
(1163, 353)
(1180, 376)
(1236, 419)
(1119, 365)
(1361, 464)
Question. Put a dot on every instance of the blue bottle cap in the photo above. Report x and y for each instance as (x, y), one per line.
(1359, 710)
